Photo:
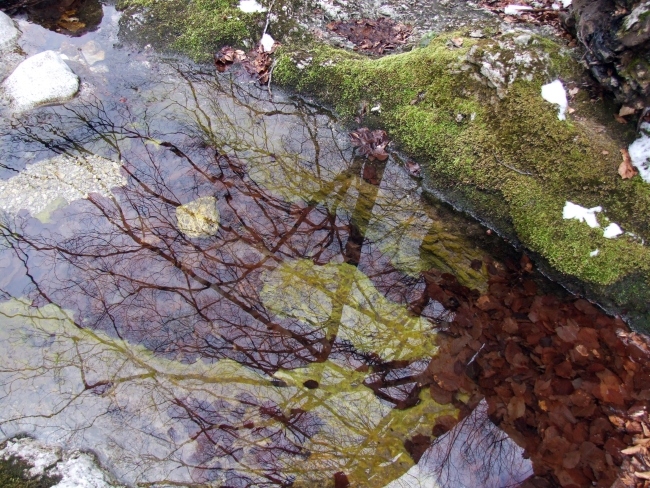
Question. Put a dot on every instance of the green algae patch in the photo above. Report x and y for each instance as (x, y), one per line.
(342, 302)
(475, 116)
(197, 28)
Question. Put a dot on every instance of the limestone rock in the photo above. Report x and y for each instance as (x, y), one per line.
(199, 218)
(41, 79)
(53, 183)
(8, 31)
(616, 36)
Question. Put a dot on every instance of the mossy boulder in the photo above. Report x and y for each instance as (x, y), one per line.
(197, 28)
(474, 115)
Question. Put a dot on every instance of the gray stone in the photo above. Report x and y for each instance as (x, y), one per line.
(9, 33)
(41, 79)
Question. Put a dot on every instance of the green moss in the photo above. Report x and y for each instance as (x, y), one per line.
(197, 28)
(14, 474)
(435, 105)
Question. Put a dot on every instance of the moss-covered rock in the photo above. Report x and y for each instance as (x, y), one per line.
(474, 115)
(198, 28)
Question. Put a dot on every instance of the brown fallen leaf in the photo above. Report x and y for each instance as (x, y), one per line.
(413, 168)
(632, 450)
(620, 119)
(644, 475)
(625, 111)
(625, 169)
(372, 36)
(371, 144)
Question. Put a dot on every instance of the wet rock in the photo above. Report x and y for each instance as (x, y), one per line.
(199, 218)
(42, 79)
(616, 35)
(11, 57)
(47, 185)
(501, 63)
(8, 31)
(92, 53)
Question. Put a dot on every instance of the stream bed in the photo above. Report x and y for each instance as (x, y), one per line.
(240, 300)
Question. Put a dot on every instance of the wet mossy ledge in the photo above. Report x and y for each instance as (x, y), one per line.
(474, 115)
(197, 29)
(471, 111)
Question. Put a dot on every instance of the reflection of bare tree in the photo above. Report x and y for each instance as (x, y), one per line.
(238, 391)
(476, 453)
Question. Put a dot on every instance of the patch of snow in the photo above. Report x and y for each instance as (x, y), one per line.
(32, 452)
(555, 93)
(588, 215)
(77, 469)
(267, 42)
(41, 79)
(80, 471)
(612, 231)
(8, 31)
(251, 6)
(566, 3)
(640, 153)
(516, 9)
(594, 253)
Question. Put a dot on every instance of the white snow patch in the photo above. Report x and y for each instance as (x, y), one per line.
(250, 6)
(516, 9)
(640, 153)
(80, 471)
(588, 215)
(555, 93)
(41, 79)
(594, 253)
(267, 42)
(8, 31)
(32, 452)
(612, 231)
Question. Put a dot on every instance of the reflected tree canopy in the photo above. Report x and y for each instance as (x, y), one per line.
(287, 342)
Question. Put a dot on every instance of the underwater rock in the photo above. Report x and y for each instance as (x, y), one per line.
(44, 186)
(199, 218)
(41, 79)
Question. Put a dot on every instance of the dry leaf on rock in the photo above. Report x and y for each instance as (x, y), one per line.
(625, 169)
(373, 36)
(625, 111)
(371, 144)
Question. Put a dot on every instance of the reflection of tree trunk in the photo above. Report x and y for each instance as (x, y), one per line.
(352, 252)
(363, 210)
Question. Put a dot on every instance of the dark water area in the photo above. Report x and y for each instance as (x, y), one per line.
(257, 305)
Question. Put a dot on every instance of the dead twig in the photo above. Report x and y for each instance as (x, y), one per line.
(525, 173)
